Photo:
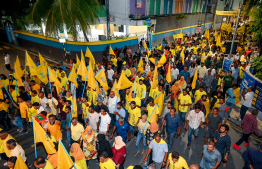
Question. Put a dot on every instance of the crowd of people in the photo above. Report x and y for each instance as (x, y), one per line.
(189, 90)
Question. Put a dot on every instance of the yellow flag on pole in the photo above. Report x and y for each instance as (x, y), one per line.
(203, 58)
(18, 71)
(54, 79)
(42, 73)
(168, 75)
(20, 163)
(74, 110)
(101, 78)
(91, 57)
(73, 77)
(42, 60)
(41, 136)
(194, 79)
(82, 69)
(218, 40)
(123, 82)
(145, 45)
(183, 56)
(91, 78)
(111, 52)
(140, 67)
(155, 79)
(114, 89)
(160, 102)
(30, 63)
(162, 60)
(63, 159)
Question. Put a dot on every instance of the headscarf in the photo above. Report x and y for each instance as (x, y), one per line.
(119, 142)
(85, 133)
(103, 145)
(78, 153)
(176, 87)
(154, 127)
(181, 81)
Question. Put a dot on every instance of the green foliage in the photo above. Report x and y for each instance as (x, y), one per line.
(181, 16)
(257, 65)
(55, 13)
(119, 37)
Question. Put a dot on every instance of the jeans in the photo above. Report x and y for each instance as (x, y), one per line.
(182, 115)
(231, 107)
(68, 135)
(139, 137)
(243, 111)
(85, 119)
(63, 123)
(133, 129)
(113, 120)
(190, 132)
(17, 122)
(143, 104)
(207, 89)
(243, 138)
(24, 124)
(170, 137)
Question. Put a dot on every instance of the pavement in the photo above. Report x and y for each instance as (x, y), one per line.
(191, 154)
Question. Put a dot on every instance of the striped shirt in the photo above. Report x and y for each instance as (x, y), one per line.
(249, 124)
(222, 143)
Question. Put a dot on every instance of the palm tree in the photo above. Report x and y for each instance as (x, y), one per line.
(56, 13)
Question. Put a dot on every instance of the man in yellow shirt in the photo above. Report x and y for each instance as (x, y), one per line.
(152, 110)
(195, 48)
(23, 111)
(134, 116)
(175, 161)
(199, 93)
(35, 86)
(64, 81)
(31, 111)
(76, 130)
(139, 77)
(114, 60)
(106, 162)
(136, 99)
(127, 72)
(42, 163)
(184, 101)
(141, 90)
(34, 97)
(4, 136)
(14, 93)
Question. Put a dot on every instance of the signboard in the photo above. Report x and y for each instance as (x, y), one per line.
(227, 64)
(138, 3)
(227, 13)
(247, 81)
(257, 99)
(148, 22)
(198, 29)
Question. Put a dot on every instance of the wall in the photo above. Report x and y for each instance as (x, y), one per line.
(135, 10)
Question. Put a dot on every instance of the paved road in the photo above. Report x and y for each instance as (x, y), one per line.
(192, 154)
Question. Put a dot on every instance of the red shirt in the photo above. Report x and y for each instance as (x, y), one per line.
(249, 124)
(119, 155)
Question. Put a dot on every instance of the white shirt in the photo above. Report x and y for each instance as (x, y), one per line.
(112, 104)
(7, 59)
(52, 106)
(110, 74)
(93, 119)
(175, 72)
(195, 119)
(166, 110)
(43, 102)
(248, 99)
(202, 71)
(105, 120)
(41, 109)
(18, 150)
(213, 71)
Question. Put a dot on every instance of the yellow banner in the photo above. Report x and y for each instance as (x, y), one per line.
(227, 13)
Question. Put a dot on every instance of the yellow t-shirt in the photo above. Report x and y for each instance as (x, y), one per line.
(23, 109)
(138, 78)
(4, 106)
(85, 109)
(76, 131)
(127, 104)
(1, 145)
(63, 82)
(140, 91)
(70, 98)
(31, 112)
(6, 82)
(114, 61)
(184, 100)
(181, 163)
(35, 99)
(127, 72)
(199, 94)
(7, 151)
(195, 49)
(137, 100)
(107, 165)
(135, 114)
(14, 95)
(153, 92)
(89, 95)
(153, 117)
(48, 165)
(242, 70)
(36, 87)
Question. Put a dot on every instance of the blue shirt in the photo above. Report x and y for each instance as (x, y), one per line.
(231, 93)
(63, 67)
(223, 114)
(252, 156)
(121, 112)
(185, 74)
(159, 150)
(121, 130)
(210, 158)
(172, 123)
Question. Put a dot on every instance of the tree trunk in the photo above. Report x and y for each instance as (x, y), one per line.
(85, 35)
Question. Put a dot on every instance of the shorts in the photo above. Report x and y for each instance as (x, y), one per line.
(209, 134)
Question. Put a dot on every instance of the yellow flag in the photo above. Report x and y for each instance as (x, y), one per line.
(63, 160)
(20, 163)
(162, 60)
(218, 40)
(30, 63)
(183, 56)
(41, 136)
(73, 77)
(42, 60)
(123, 82)
(155, 79)
(91, 78)
(91, 57)
(215, 35)
(114, 89)
(18, 71)
(207, 35)
(42, 73)
(74, 109)
(154, 61)
(194, 79)
(145, 45)
(168, 75)
(82, 69)
(203, 58)
(101, 78)
(54, 79)
(160, 102)
(111, 52)
(140, 67)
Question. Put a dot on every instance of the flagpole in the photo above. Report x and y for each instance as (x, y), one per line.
(72, 106)
(150, 116)
(85, 80)
(116, 99)
(7, 91)
(66, 83)
(13, 76)
(25, 66)
(16, 88)
(50, 83)
(66, 152)
(34, 136)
